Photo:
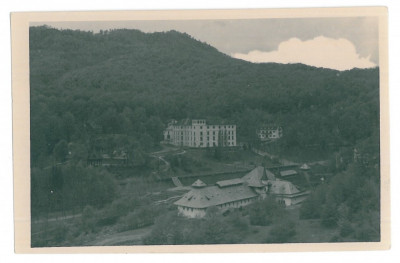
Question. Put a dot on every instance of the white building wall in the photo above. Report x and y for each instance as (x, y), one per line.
(199, 134)
(270, 133)
(198, 213)
(191, 212)
(291, 200)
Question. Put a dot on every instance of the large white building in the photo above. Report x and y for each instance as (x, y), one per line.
(200, 134)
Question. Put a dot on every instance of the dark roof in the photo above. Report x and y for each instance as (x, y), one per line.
(288, 172)
(231, 182)
(214, 195)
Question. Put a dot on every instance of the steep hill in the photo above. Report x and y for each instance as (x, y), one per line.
(129, 82)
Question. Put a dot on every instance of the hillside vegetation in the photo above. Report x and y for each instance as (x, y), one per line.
(129, 82)
(116, 90)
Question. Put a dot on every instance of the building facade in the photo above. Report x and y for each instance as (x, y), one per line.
(269, 132)
(223, 195)
(235, 193)
(198, 133)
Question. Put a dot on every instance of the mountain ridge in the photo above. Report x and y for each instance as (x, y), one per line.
(171, 75)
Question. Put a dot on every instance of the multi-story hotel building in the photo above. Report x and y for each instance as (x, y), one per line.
(200, 134)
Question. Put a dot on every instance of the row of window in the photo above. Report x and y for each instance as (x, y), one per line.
(214, 144)
(206, 127)
(230, 138)
(235, 203)
(201, 133)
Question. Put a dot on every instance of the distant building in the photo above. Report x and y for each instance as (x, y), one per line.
(305, 167)
(198, 133)
(269, 132)
(116, 159)
(238, 192)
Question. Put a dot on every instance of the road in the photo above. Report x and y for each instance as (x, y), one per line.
(131, 237)
(59, 218)
(166, 150)
(281, 160)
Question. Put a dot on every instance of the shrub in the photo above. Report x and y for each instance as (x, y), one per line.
(212, 229)
(346, 229)
(263, 213)
(329, 214)
(88, 220)
(282, 232)
(137, 219)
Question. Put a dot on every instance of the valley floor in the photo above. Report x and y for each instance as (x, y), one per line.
(162, 194)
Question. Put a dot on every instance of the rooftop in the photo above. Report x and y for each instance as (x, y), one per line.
(288, 172)
(230, 182)
(279, 187)
(270, 175)
(255, 177)
(305, 167)
(199, 183)
(269, 126)
(214, 195)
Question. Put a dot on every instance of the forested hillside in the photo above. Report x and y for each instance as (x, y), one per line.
(119, 88)
(129, 82)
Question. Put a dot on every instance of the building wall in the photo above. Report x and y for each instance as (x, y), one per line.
(236, 204)
(288, 201)
(195, 212)
(199, 134)
(191, 212)
(270, 133)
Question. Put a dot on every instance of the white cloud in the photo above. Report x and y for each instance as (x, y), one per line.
(321, 51)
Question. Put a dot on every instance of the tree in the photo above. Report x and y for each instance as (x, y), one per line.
(264, 212)
(282, 232)
(61, 151)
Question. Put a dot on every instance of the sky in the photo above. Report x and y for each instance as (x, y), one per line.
(337, 43)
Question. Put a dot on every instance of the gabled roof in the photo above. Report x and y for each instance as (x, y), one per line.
(255, 177)
(279, 187)
(288, 172)
(270, 175)
(214, 195)
(305, 167)
(231, 182)
(199, 183)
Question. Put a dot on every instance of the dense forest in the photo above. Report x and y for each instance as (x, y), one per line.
(129, 82)
(116, 90)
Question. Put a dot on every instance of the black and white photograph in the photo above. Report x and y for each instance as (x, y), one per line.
(211, 130)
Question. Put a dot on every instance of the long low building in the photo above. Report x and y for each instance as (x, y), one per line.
(224, 195)
(237, 192)
(198, 133)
